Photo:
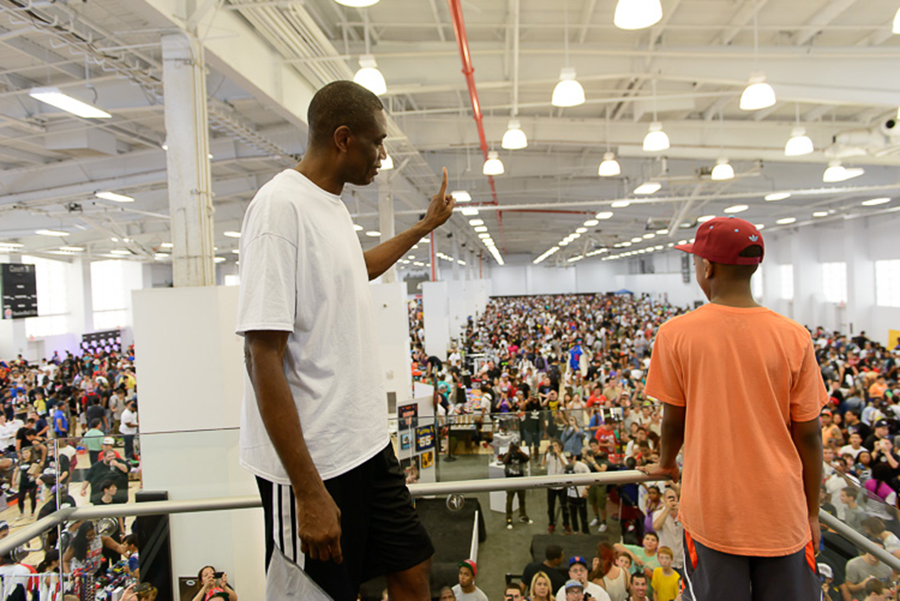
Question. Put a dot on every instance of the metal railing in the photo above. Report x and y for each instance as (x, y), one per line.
(24, 535)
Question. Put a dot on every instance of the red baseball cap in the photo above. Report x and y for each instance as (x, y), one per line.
(723, 239)
(470, 564)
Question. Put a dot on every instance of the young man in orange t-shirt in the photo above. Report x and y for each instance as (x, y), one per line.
(742, 392)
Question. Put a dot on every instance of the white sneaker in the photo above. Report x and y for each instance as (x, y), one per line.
(602, 528)
(595, 521)
(509, 526)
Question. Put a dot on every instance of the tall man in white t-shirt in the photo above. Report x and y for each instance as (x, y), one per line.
(314, 427)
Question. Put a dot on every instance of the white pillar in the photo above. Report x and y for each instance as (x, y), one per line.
(808, 295)
(81, 297)
(860, 276)
(386, 222)
(187, 160)
(455, 246)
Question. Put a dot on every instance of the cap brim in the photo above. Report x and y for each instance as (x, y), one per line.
(688, 248)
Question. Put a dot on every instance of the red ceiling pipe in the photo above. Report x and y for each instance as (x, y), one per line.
(462, 40)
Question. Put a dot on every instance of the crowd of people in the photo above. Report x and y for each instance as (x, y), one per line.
(565, 374)
(68, 428)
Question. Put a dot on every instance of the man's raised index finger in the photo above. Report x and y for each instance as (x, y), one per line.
(443, 191)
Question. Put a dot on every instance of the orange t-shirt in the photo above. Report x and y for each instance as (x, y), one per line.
(744, 374)
(876, 390)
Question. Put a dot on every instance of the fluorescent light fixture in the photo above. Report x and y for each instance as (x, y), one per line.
(722, 171)
(373, 233)
(620, 204)
(167, 245)
(758, 94)
(72, 249)
(896, 26)
(649, 236)
(604, 215)
(418, 263)
(759, 226)
(610, 166)
(51, 233)
(662, 232)
(514, 138)
(776, 196)
(564, 242)
(637, 14)
(737, 209)
(120, 251)
(474, 222)
(647, 188)
(637, 239)
(836, 172)
(705, 218)
(480, 228)
(568, 92)
(469, 212)
(461, 196)
(656, 139)
(425, 241)
(11, 245)
(574, 236)
(484, 235)
(113, 197)
(625, 244)
(161, 256)
(369, 76)
(219, 260)
(231, 234)
(799, 144)
(591, 223)
(820, 214)
(357, 227)
(387, 163)
(235, 251)
(54, 97)
(357, 3)
(493, 165)
(786, 220)
(581, 230)
(875, 202)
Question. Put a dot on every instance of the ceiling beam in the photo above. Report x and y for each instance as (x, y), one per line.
(823, 16)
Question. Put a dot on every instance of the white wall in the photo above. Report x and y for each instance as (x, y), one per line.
(392, 323)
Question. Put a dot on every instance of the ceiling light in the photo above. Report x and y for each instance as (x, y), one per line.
(369, 76)
(373, 234)
(604, 215)
(568, 92)
(474, 222)
(564, 242)
(113, 197)
(785, 220)
(610, 166)
(758, 94)
(74, 249)
(51, 233)
(514, 138)
(418, 263)
(737, 209)
(493, 165)
(646, 188)
(219, 260)
(461, 196)
(11, 245)
(54, 97)
(120, 252)
(469, 212)
(875, 202)
(231, 234)
(662, 232)
(838, 173)
(161, 256)
(774, 196)
(705, 218)
(626, 244)
(387, 163)
(820, 214)
(620, 204)
(167, 245)
(357, 227)
(484, 235)
(574, 236)
(896, 27)
(656, 139)
(636, 239)
(591, 223)
(480, 228)
(581, 230)
(799, 144)
(722, 171)
(637, 14)
(649, 236)
(357, 3)
(759, 226)
(235, 251)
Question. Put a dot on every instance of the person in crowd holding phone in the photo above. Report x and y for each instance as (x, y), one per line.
(214, 585)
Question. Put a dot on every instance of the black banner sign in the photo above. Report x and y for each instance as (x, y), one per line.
(19, 288)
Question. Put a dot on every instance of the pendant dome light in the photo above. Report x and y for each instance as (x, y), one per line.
(568, 92)
(515, 138)
(368, 75)
(637, 14)
(493, 165)
(758, 94)
(836, 172)
(357, 3)
(722, 171)
(609, 167)
(799, 143)
(656, 139)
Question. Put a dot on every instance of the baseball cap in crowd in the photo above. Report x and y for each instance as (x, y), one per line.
(574, 584)
(577, 559)
(109, 440)
(881, 424)
(826, 411)
(825, 570)
(4, 525)
(723, 239)
(469, 563)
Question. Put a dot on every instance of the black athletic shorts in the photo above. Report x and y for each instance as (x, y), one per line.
(711, 575)
(380, 529)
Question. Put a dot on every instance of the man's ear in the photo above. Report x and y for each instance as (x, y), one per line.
(342, 138)
(709, 269)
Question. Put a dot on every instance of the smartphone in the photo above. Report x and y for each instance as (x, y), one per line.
(218, 575)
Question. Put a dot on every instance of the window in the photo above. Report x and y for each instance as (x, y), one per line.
(834, 282)
(52, 279)
(787, 281)
(887, 283)
(232, 279)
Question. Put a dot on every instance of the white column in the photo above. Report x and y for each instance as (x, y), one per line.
(860, 276)
(386, 222)
(81, 297)
(455, 246)
(187, 160)
(435, 306)
(808, 295)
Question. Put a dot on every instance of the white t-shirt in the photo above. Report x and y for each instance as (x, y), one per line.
(302, 271)
(476, 595)
(128, 417)
(596, 591)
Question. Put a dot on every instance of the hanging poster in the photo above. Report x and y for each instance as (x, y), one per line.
(424, 438)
